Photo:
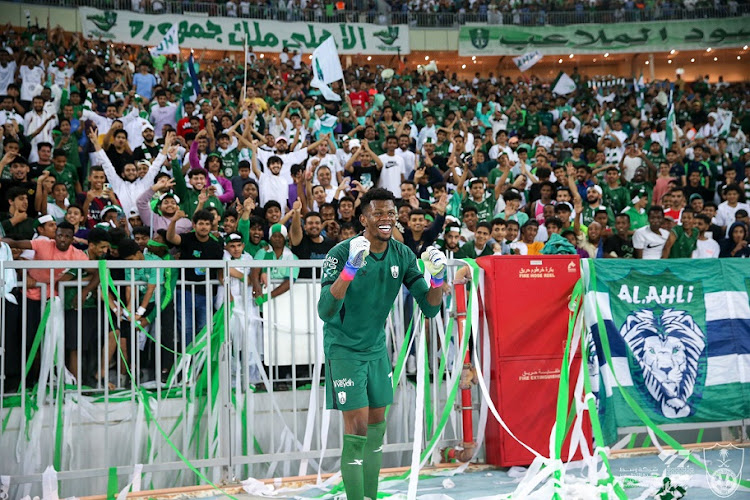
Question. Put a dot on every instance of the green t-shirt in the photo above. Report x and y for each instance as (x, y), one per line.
(617, 199)
(68, 176)
(442, 149)
(230, 162)
(355, 328)
(485, 208)
(149, 276)
(468, 251)
(589, 213)
(278, 273)
(70, 147)
(637, 219)
(684, 245)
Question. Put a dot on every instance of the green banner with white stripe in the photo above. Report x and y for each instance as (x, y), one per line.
(679, 333)
(656, 36)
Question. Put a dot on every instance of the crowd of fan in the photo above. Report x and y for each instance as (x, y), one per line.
(110, 153)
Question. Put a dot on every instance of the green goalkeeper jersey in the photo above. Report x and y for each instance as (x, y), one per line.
(354, 327)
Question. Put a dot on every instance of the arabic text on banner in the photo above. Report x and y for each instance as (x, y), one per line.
(678, 335)
(224, 33)
(599, 38)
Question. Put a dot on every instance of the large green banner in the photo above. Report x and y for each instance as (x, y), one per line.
(229, 33)
(678, 333)
(600, 38)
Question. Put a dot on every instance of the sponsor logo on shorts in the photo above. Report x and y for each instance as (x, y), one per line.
(343, 382)
(342, 397)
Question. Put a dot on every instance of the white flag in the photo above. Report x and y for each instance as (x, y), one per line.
(528, 60)
(170, 44)
(326, 68)
(563, 84)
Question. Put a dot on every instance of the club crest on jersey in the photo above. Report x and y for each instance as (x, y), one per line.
(394, 271)
(342, 397)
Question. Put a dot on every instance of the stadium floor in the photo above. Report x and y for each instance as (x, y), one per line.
(489, 484)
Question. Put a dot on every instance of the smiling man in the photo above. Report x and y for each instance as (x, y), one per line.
(362, 276)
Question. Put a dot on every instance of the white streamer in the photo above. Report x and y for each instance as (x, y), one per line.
(416, 450)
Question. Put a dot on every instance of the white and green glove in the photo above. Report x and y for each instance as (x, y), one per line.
(435, 262)
(359, 248)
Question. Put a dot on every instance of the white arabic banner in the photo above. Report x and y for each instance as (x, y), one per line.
(225, 33)
(657, 36)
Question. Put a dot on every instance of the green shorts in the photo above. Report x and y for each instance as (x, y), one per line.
(354, 384)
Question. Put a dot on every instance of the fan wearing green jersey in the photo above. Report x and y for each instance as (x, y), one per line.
(362, 276)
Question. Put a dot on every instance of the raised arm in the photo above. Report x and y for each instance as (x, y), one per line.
(172, 235)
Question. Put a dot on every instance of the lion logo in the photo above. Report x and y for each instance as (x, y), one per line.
(667, 348)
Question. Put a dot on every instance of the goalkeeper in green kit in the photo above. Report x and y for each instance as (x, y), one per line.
(362, 276)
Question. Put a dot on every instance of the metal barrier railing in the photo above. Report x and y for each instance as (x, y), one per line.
(357, 11)
(244, 400)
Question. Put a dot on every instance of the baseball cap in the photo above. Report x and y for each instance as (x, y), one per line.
(278, 228)
(280, 138)
(596, 188)
(696, 196)
(133, 213)
(354, 143)
(147, 126)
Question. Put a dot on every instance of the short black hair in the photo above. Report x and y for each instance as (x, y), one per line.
(142, 230)
(127, 248)
(256, 221)
(732, 187)
(705, 218)
(66, 225)
(271, 204)
(468, 209)
(203, 215)
(59, 152)
(296, 168)
(499, 221)
(15, 192)
(417, 211)
(656, 209)
(312, 214)
(555, 221)
(376, 194)
(623, 214)
(97, 235)
(485, 225)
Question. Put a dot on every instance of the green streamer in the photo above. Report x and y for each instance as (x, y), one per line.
(112, 484)
(105, 282)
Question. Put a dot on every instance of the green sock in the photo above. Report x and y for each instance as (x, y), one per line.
(352, 473)
(373, 458)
